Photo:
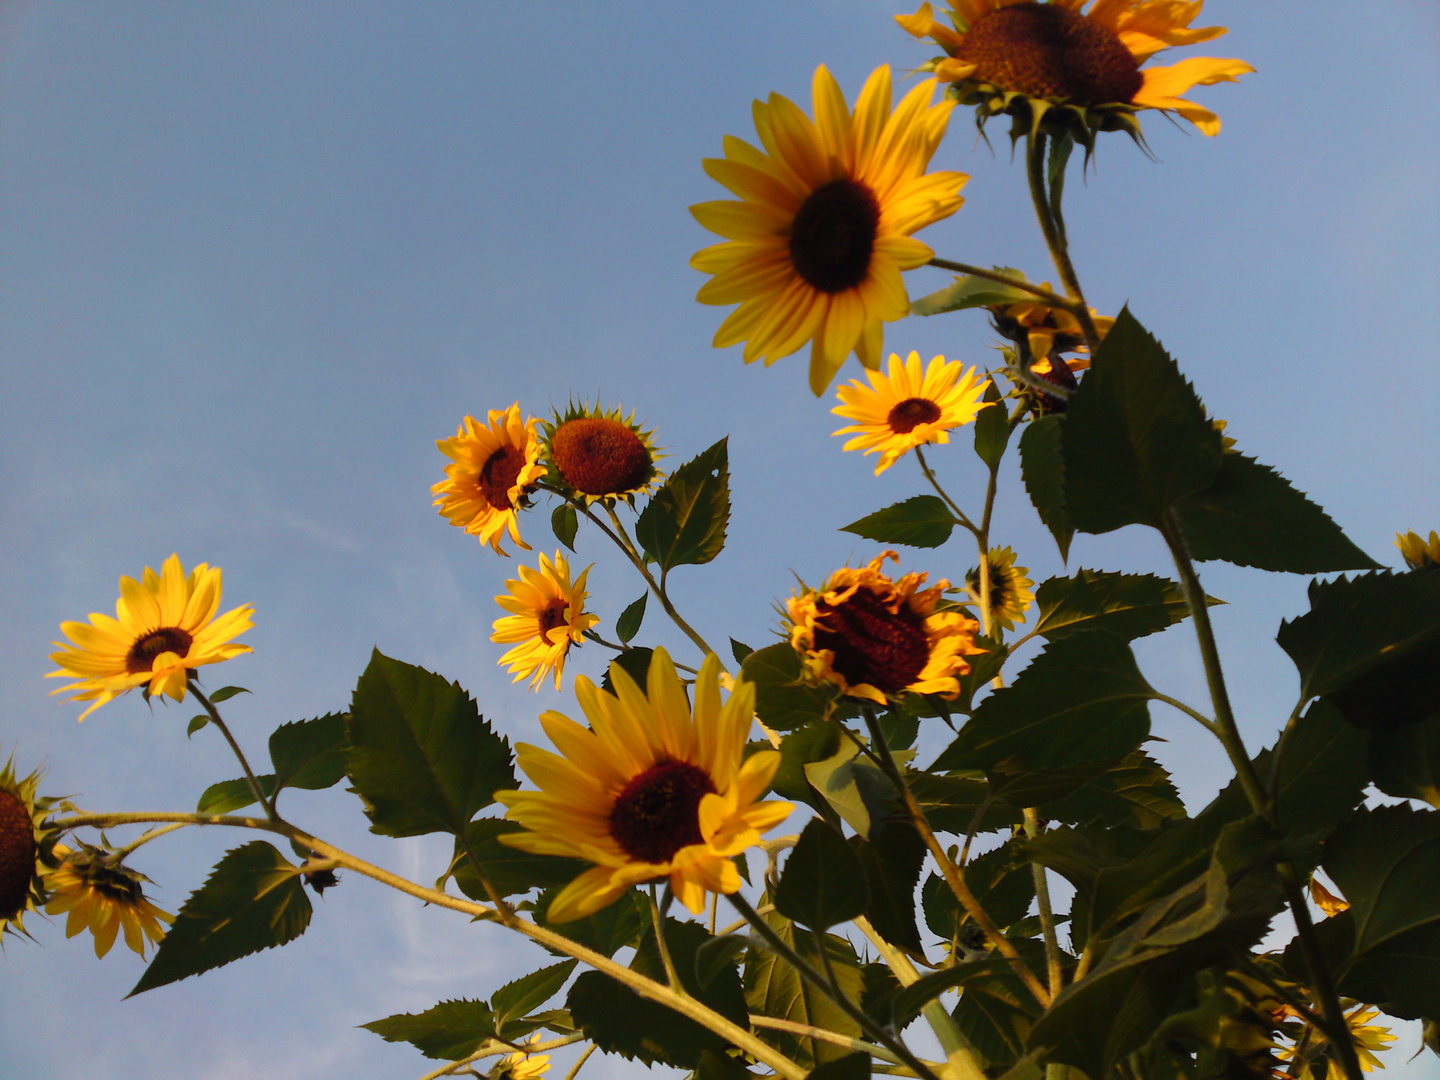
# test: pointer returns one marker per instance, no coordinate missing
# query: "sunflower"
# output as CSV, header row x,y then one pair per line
x,y
1052,65
547,615
876,638
814,250
522,1065
600,454
26,847
1369,1039
906,409
1010,595
1045,331
1419,554
649,790
492,469
164,627
105,897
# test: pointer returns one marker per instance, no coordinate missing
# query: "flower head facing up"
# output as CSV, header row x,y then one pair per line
x,y
1057,67
909,407
814,248
1010,595
1419,553
600,455
876,638
26,847
165,626
547,616
105,897
651,789
493,467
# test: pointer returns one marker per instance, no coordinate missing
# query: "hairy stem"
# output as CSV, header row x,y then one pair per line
x,y
825,1035
265,804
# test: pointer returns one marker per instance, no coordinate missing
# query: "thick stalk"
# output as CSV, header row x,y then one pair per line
x,y
1053,231
265,804
1047,913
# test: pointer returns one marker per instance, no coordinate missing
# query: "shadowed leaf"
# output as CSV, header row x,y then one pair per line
x,y
923,521
684,522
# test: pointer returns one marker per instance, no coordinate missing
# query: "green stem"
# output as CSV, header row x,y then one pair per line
x,y
591,635
494,1048
960,516
1052,227
657,919
1047,913
579,1062
825,1035
265,804
1052,298
119,853
1194,714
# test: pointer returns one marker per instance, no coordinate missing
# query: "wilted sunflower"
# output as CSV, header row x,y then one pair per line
x,y
1419,554
649,790
26,847
876,638
1010,595
105,897
547,615
600,454
1051,64
909,408
814,250
164,627
492,468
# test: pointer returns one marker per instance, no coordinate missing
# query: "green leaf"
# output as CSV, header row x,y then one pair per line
x,y
996,1013
614,927
421,756
813,742
923,521
252,900
850,1067
564,523
1042,467
309,754
824,882
928,987
228,796
992,434
635,662
225,693
969,291
892,859
719,954
684,522
854,787
510,870
774,988
1322,774
449,1031
527,993
718,1065
628,625
739,650
1406,762
783,700
1137,439
1136,792
196,723
983,669
951,803
1251,516
1004,887
1126,605
1372,644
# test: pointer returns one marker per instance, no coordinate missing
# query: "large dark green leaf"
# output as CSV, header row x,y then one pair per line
x,y
1136,792
684,522
783,700
996,1012
1004,888
1042,467
448,1031
824,881
1406,762
849,1067
1322,775
1251,516
252,900
951,803
510,870
1126,605
923,521
969,291
527,993
893,857
774,988
1137,439
309,754
421,756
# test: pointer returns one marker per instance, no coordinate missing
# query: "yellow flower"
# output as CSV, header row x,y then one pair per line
x,y
1419,553
492,469
164,627
1010,595
906,409
815,248
600,455
1369,1039
547,615
649,790
876,638
1327,901
26,847
1046,331
104,899
1079,70
522,1065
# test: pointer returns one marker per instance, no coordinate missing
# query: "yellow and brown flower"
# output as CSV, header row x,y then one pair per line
x,y
26,847
1010,595
600,455
102,895
876,638
1041,334
493,467
547,616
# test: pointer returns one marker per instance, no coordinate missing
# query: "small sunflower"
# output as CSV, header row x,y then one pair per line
x,y
908,408
600,454
814,250
522,1065
547,615
1010,595
1045,331
493,467
1370,1039
104,896
1051,65
649,790
165,626
1419,553
876,638
26,847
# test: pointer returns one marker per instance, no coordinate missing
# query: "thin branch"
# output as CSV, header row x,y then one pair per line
x,y
266,804
1054,299
826,1035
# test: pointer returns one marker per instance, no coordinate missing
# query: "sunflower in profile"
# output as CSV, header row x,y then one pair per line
x,y
651,789
814,248
1010,595
1419,554
599,454
547,615
1055,66
103,896
26,847
909,407
522,1065
493,467
165,626
876,638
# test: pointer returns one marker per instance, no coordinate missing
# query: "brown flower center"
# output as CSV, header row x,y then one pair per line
x,y
1048,51
888,650
147,647
658,813
600,456
553,615
833,235
497,476
911,413
1058,375
17,855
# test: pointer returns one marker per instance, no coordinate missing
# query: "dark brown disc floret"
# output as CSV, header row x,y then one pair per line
x,y
911,413
147,647
498,475
873,644
17,855
833,235
658,813
600,456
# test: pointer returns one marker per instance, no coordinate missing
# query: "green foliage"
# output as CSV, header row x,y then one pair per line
x,y
922,521
309,754
992,434
1405,762
509,870
853,786
565,523
252,900
421,756
684,522
225,693
1004,887
892,859
628,625
1322,773
824,882
519,997
774,988
614,927
996,1012
1135,792
782,699
1126,605
983,668
969,291
850,1067
635,662
813,742
227,796
448,1031
1042,468
952,803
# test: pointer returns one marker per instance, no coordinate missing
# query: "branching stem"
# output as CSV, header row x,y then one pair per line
x,y
266,804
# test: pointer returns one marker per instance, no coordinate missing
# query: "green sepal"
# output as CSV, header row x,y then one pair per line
x,y
684,523
922,521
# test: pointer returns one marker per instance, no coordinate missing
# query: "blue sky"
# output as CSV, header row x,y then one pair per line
x,y
256,258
